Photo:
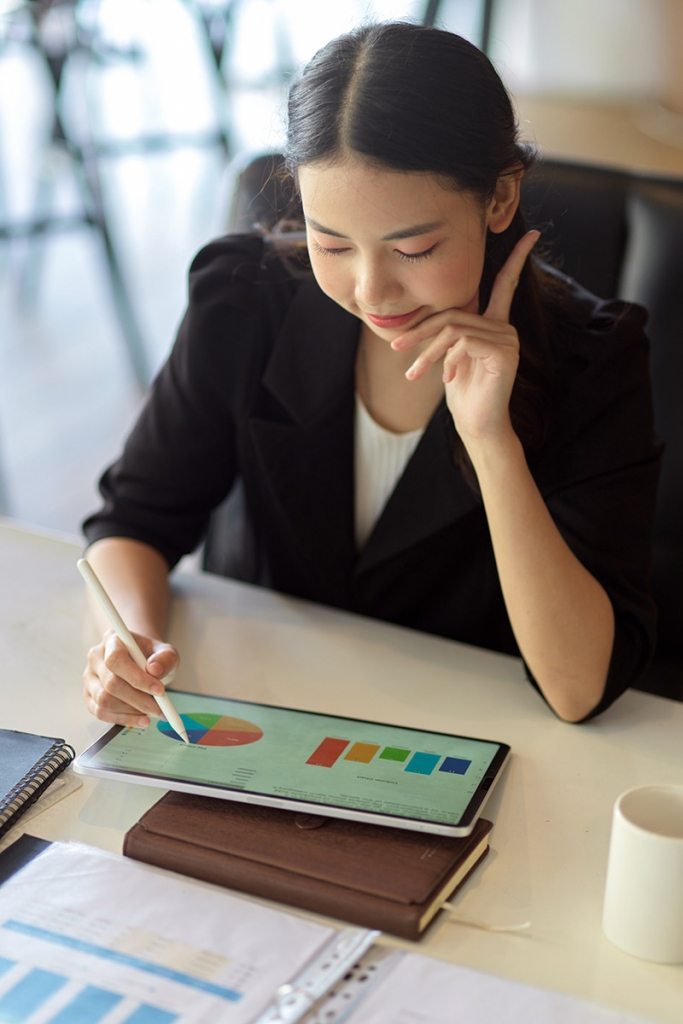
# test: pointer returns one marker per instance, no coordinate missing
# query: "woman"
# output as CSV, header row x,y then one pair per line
x,y
433,428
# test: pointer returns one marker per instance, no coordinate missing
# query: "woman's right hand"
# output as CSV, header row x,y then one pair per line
x,y
116,690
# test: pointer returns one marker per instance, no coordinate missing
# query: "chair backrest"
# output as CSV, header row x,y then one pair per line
x,y
620,234
260,197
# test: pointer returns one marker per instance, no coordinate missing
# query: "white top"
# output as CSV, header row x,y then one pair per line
x,y
380,457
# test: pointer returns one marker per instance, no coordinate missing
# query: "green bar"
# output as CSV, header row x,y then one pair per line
x,y
395,754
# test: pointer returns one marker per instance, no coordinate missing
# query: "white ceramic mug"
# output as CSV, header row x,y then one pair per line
x,y
643,911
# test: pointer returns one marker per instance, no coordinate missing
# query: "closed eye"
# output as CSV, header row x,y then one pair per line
x,y
410,257
321,250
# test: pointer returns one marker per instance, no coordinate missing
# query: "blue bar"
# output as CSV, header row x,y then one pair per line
x,y
455,765
32,991
5,965
88,1007
122,958
423,764
150,1015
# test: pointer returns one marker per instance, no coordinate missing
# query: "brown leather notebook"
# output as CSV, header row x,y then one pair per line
x,y
369,875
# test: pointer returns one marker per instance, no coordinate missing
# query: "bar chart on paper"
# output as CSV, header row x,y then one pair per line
x,y
160,951
138,970
40,995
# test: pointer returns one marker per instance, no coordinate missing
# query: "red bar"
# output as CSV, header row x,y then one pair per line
x,y
327,753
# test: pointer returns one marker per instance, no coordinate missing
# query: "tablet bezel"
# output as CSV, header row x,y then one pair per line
x,y
467,821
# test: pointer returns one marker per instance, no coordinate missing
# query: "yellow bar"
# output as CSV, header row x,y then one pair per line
x,y
363,752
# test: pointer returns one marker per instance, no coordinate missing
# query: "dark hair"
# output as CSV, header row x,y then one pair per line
x,y
413,98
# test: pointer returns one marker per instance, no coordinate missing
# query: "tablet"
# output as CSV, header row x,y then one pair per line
x,y
300,760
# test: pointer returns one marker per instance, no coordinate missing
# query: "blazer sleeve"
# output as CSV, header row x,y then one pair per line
x,y
181,459
600,473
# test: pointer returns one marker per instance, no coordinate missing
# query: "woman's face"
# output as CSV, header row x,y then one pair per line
x,y
392,247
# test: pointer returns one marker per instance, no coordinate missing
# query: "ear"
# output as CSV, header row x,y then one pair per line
x,y
505,201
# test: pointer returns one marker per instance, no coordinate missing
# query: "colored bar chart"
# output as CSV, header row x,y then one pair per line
x,y
418,762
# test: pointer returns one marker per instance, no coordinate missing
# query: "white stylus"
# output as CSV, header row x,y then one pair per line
x,y
126,637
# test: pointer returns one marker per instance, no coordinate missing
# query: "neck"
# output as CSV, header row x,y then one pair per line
x,y
394,402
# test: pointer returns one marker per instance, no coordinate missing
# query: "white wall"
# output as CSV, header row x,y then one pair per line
x,y
608,49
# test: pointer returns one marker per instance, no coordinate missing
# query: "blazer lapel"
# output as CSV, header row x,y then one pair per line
x,y
307,455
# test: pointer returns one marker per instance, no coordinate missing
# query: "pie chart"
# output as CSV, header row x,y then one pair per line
x,y
214,730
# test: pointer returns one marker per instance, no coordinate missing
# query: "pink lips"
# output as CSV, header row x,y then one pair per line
x,y
393,321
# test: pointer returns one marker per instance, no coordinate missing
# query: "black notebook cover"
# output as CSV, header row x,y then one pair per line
x,y
28,764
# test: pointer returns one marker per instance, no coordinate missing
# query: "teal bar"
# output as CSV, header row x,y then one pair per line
x,y
150,1015
88,1007
422,763
35,988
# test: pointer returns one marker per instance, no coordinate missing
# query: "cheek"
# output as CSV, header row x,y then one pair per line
x,y
330,276
456,282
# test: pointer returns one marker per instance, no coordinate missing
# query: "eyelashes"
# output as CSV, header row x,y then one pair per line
x,y
322,251
412,257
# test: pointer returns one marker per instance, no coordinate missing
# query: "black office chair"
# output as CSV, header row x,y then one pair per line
x,y
619,234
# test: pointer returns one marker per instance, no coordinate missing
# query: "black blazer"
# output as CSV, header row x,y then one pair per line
x,y
257,401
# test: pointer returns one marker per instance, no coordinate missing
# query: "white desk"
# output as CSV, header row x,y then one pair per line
x,y
552,811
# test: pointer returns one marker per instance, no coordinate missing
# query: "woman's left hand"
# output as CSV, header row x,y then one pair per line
x,y
480,354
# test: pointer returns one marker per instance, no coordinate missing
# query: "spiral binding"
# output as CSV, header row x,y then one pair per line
x,y
27,790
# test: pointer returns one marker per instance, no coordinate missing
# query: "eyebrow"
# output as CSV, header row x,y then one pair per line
x,y
411,232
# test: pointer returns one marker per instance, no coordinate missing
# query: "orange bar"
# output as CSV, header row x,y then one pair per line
x,y
363,752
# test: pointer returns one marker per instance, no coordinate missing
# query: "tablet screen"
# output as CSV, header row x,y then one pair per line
x,y
243,748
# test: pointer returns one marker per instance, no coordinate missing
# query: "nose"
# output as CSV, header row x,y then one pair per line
x,y
377,284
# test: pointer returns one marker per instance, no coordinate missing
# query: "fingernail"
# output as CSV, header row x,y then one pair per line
x,y
410,374
143,722
158,688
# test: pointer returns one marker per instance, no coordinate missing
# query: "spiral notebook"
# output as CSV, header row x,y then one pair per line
x,y
28,764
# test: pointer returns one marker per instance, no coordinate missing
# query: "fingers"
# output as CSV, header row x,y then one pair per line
x,y
481,352
433,325
507,278
452,335
116,690
108,709
162,659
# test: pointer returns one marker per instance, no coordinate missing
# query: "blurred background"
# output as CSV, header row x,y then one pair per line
x,y
123,124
